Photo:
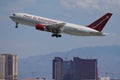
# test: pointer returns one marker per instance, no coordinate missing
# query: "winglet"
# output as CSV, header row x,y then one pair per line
x,y
100,23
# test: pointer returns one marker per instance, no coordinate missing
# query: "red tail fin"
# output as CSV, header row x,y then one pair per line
x,y
100,23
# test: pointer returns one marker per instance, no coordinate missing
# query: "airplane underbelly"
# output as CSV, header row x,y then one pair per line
x,y
72,31
77,32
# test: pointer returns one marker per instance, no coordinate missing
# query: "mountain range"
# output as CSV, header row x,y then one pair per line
x,y
41,65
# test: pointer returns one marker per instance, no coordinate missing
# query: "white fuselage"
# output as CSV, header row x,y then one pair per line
x,y
68,28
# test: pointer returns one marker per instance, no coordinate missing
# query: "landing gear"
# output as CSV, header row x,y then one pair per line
x,y
16,25
56,35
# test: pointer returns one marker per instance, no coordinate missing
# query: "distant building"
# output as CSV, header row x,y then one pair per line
x,y
8,67
58,68
29,79
34,79
105,78
78,69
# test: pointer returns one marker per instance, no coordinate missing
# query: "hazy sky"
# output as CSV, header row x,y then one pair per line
x,y
26,41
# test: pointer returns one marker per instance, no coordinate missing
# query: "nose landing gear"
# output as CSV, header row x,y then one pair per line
x,y
16,25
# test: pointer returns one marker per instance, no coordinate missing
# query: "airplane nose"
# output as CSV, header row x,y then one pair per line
x,y
11,17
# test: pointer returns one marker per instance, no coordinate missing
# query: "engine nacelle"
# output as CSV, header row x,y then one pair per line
x,y
40,27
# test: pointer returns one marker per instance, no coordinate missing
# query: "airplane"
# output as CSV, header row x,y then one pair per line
x,y
57,27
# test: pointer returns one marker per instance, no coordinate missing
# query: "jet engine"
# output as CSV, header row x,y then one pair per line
x,y
40,27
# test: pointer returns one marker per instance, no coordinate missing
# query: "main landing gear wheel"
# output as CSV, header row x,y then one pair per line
x,y
56,35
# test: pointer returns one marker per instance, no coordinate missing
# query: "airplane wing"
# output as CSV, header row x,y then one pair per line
x,y
55,28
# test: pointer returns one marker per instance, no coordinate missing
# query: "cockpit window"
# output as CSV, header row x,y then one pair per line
x,y
13,14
